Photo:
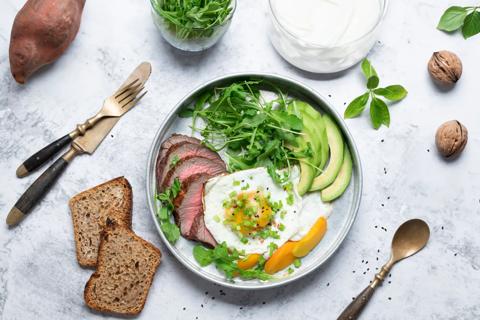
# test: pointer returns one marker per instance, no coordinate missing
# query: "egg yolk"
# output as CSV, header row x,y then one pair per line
x,y
248,212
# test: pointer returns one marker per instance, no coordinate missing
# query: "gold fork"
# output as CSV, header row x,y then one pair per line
x,y
114,106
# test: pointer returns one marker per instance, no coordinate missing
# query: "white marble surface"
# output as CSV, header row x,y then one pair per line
x,y
404,176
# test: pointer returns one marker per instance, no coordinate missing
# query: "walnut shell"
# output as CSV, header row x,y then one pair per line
x,y
451,138
445,67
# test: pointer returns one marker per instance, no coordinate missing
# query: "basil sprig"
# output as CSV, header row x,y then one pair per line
x,y
466,18
379,113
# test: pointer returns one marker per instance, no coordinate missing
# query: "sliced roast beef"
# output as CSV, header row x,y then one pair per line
x,y
185,158
201,233
189,210
190,167
181,152
174,141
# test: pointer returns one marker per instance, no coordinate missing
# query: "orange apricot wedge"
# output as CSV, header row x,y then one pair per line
x,y
281,258
311,239
249,262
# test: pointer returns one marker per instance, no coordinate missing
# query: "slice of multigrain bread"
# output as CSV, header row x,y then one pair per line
x,y
90,211
125,270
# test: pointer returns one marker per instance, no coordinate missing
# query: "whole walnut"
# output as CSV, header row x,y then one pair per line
x,y
451,139
445,67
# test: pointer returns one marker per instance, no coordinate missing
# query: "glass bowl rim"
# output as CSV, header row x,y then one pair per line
x,y
319,46
227,19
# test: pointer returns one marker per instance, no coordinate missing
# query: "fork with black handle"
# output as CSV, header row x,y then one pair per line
x,y
113,106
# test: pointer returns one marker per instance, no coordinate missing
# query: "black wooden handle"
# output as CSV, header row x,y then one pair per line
x,y
355,307
42,156
41,186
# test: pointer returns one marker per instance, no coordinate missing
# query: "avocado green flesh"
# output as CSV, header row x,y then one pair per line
x,y
338,187
307,174
313,119
335,141
309,133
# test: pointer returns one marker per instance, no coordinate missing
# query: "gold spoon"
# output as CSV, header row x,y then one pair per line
x,y
409,238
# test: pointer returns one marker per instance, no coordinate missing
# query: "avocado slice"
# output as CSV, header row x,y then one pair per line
x,y
307,171
338,187
314,120
335,141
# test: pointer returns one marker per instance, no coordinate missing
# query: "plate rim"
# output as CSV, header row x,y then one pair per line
x,y
358,172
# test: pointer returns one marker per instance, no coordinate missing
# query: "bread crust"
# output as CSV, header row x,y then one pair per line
x,y
102,257
122,214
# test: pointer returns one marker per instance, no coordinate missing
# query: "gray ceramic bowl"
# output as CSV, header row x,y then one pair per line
x,y
344,209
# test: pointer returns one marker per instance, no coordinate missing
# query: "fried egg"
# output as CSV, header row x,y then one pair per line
x,y
250,212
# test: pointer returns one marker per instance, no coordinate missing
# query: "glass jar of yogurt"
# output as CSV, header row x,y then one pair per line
x,y
325,36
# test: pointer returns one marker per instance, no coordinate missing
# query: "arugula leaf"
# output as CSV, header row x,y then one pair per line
x,y
392,93
253,132
185,113
356,107
193,19
379,113
471,25
452,19
368,69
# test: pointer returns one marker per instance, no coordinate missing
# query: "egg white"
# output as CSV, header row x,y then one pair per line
x,y
218,189
312,208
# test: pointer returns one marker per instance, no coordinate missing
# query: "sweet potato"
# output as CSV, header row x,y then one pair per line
x,y
41,32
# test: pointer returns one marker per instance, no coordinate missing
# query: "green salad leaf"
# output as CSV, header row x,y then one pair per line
x,y
165,212
225,260
379,113
252,131
193,19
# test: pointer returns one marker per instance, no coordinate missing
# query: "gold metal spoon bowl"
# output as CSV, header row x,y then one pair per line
x,y
409,238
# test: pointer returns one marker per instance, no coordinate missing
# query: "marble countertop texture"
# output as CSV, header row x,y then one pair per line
x,y
403,175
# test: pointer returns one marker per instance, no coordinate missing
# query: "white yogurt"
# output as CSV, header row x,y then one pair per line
x,y
321,35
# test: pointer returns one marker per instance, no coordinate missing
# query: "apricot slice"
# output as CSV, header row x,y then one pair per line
x,y
249,262
281,258
311,239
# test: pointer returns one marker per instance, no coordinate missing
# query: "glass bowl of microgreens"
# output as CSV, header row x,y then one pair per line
x,y
192,25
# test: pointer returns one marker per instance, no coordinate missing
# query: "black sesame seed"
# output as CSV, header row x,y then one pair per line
x,y
328,283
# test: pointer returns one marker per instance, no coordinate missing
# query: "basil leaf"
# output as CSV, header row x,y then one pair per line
x,y
202,255
452,19
471,25
372,82
356,107
379,113
392,93
368,69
